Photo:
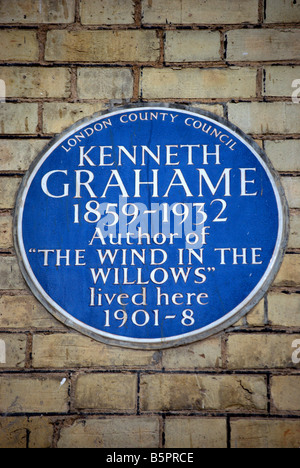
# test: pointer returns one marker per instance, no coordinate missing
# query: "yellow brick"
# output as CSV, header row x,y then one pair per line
x,y
33,394
198,83
259,142
18,45
200,12
265,117
192,46
291,186
36,11
74,350
241,323
289,273
265,433
279,79
26,312
10,275
256,318
294,239
36,82
284,155
120,432
58,116
282,11
106,392
17,155
204,354
285,393
195,433
105,83
245,45
259,351
17,432
216,109
8,191
173,392
102,46
6,238
107,11
13,432
19,118
15,350
284,309
40,432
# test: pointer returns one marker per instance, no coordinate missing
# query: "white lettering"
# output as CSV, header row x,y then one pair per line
x,y
119,184
86,184
225,175
244,182
44,185
182,183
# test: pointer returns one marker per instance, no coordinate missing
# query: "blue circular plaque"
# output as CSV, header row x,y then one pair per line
x,y
151,226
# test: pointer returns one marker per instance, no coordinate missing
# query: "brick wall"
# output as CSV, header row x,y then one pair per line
x,y
62,60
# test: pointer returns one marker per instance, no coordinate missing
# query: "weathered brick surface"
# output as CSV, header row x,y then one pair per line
x,y
263,45
13,432
105,83
282,11
102,46
279,80
289,273
17,155
294,239
10,275
201,12
192,83
285,393
284,310
61,61
19,118
18,45
200,355
74,350
59,116
24,312
40,431
265,117
6,238
265,433
216,109
23,432
292,189
284,155
107,12
119,432
35,11
33,394
256,318
192,46
26,432
106,392
195,433
36,82
15,350
8,191
186,392
260,351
